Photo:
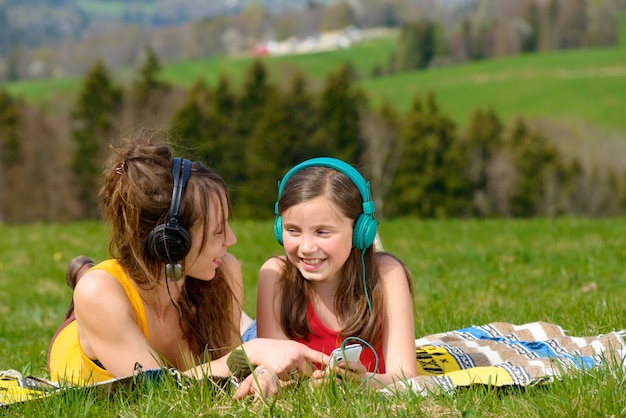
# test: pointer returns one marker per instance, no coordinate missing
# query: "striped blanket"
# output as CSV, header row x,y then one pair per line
x,y
503,354
15,388
496,354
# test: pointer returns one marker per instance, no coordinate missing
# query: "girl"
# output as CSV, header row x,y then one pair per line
x,y
171,294
331,286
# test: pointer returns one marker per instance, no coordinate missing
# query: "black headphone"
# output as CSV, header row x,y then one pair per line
x,y
170,242
365,227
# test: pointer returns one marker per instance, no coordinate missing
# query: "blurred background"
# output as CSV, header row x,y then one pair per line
x,y
452,108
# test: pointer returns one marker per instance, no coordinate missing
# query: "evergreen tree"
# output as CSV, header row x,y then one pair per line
x,y
576,188
467,40
249,112
280,139
10,148
484,141
430,180
613,189
10,152
303,120
190,123
98,101
417,46
221,131
147,85
621,196
539,172
268,152
284,130
13,58
530,42
205,125
341,104
255,91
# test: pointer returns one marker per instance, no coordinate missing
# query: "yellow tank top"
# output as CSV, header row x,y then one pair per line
x,y
67,360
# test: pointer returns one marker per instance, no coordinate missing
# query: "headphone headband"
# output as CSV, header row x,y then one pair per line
x,y
365,226
179,189
170,242
339,165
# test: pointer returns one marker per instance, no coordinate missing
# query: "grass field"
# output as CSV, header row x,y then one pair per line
x,y
566,271
563,85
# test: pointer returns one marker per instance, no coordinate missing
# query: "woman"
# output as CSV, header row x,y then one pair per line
x,y
171,295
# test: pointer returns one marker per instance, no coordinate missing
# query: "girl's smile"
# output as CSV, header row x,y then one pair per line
x,y
313,262
317,238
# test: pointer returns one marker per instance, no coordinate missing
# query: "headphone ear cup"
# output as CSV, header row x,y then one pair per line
x,y
168,244
364,232
278,229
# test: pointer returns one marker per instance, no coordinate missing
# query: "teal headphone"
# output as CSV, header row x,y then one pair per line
x,y
365,226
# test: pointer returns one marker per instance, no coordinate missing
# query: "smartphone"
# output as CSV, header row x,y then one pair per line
x,y
351,352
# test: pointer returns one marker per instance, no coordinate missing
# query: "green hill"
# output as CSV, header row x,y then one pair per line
x,y
579,85
584,85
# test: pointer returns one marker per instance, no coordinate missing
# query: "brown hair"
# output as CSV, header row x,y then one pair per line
x,y
135,197
351,302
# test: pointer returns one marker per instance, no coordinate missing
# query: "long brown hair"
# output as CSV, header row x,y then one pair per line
x,y
135,197
351,301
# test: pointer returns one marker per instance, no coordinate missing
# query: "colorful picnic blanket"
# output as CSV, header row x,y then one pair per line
x,y
496,354
503,354
15,388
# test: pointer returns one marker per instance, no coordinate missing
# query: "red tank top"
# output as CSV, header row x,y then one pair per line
x,y
324,339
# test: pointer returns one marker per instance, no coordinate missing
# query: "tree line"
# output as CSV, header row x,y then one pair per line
x,y
419,161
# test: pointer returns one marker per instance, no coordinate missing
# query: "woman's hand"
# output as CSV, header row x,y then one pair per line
x,y
261,383
284,357
276,361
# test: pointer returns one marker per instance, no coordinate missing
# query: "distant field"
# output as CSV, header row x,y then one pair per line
x,y
586,86
589,84
111,8
363,57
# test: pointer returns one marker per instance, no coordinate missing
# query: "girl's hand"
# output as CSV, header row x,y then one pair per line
x,y
353,371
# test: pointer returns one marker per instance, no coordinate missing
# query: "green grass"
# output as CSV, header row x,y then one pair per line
x,y
585,84
363,57
110,9
567,271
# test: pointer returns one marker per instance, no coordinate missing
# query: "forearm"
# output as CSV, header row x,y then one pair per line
x,y
378,380
218,367
256,351
240,362
395,371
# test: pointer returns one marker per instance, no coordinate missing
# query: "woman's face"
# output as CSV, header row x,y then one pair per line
x,y
317,238
201,263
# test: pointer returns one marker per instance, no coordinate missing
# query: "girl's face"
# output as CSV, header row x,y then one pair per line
x,y
317,238
202,263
